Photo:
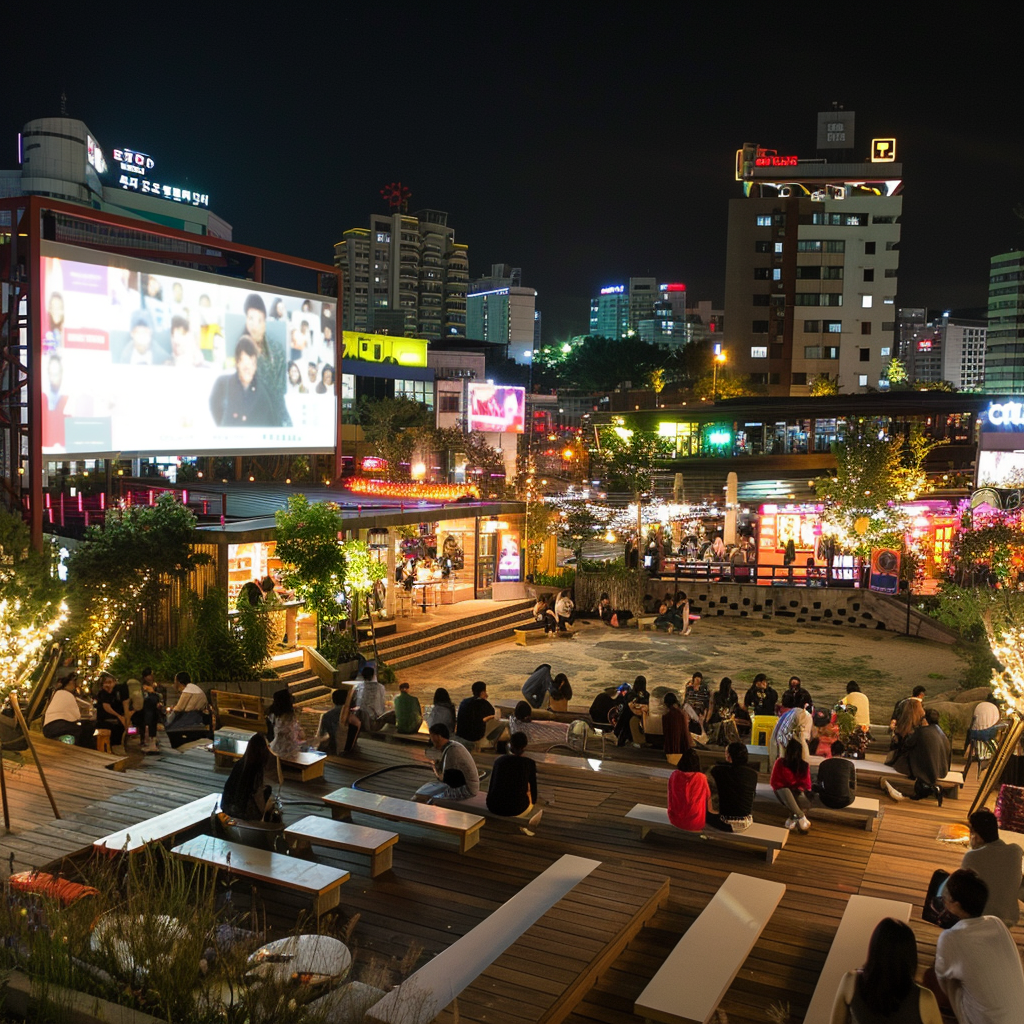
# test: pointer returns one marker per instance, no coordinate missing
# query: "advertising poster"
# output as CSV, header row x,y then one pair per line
x,y
885,571
508,559
496,408
143,358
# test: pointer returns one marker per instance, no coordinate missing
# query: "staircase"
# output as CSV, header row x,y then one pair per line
x,y
403,650
306,687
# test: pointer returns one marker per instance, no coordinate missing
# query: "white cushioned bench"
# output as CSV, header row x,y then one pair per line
x,y
697,973
865,809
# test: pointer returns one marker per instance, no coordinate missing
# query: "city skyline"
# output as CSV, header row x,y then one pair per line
x,y
584,153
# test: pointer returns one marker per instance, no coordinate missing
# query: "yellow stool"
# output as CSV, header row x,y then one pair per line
x,y
761,726
103,741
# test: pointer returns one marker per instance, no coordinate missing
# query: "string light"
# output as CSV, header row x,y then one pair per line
x,y
406,489
22,643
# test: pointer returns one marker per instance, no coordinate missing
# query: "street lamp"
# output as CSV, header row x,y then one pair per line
x,y
719,358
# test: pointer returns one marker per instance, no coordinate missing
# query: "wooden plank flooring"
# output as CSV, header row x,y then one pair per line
x,y
434,895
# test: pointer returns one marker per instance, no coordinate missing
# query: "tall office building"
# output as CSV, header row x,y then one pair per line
x,y
500,310
404,275
812,267
1004,349
619,308
942,348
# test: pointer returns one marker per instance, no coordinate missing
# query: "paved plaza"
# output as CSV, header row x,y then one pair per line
x,y
887,665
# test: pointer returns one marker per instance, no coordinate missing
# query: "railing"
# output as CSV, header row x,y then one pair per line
x,y
769,575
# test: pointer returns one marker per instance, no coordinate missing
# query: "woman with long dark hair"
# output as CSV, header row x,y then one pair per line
x,y
246,795
883,991
723,708
288,738
442,710
791,782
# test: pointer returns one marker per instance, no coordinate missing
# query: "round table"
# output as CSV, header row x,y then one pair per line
x,y
310,959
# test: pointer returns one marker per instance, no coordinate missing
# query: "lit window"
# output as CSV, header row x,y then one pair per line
x,y
862,380
764,222
865,301
886,350
778,247
758,352
776,274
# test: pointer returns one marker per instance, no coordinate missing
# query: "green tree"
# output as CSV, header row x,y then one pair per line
x,y
598,363
896,373
125,568
823,385
392,427
313,560
727,386
578,523
629,456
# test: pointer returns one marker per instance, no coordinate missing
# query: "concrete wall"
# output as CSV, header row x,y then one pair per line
x,y
809,606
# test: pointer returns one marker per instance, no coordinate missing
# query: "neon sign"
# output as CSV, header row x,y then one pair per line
x,y
883,151
776,161
615,289
134,167
1008,415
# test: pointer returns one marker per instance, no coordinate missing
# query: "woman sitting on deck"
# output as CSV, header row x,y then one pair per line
x,y
883,990
246,796
688,794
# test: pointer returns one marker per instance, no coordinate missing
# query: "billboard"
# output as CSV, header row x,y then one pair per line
x,y
835,129
496,408
143,358
383,348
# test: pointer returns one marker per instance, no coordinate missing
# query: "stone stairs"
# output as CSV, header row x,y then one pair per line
x,y
404,650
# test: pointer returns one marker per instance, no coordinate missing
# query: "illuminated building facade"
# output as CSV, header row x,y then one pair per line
x,y
942,348
501,311
812,266
404,275
1004,349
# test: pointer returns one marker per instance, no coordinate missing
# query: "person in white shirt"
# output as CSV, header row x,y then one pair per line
x,y
977,967
370,702
63,715
856,698
984,722
564,609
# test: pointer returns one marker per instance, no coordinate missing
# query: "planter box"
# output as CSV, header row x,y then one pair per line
x,y
79,1008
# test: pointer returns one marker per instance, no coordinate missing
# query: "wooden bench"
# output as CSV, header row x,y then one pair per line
x,y
466,827
238,711
229,746
392,735
873,771
766,838
849,949
163,826
421,997
314,830
525,637
718,941
645,623
757,757
864,809
319,881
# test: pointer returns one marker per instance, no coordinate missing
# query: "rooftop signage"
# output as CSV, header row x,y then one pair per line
x,y
134,173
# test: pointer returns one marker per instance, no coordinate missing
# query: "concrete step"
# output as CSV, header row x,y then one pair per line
x,y
402,639
452,645
456,631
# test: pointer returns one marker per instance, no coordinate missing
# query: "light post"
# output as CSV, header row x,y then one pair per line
x,y
719,358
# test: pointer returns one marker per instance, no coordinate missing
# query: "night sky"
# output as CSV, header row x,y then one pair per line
x,y
583,147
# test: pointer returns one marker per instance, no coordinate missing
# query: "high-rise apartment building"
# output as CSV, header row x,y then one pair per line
x,y
1004,349
813,257
643,294
404,275
500,310
609,312
942,348
619,309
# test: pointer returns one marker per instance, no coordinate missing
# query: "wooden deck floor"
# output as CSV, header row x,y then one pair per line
x,y
434,894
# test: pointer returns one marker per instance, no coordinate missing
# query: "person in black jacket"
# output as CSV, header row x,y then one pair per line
x,y
513,788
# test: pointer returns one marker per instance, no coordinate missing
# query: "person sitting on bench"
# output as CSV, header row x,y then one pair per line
x,y
791,782
735,785
63,716
110,709
675,727
147,718
926,757
998,864
370,701
513,788
836,783
246,795
562,693
330,725
688,794
477,719
408,713
187,714
455,769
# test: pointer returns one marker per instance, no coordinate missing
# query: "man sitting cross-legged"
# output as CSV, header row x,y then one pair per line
x,y
455,769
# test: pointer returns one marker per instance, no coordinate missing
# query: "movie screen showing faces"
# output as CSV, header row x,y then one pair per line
x,y
139,358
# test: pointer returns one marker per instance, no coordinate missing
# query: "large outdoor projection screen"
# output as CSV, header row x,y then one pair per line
x,y
142,358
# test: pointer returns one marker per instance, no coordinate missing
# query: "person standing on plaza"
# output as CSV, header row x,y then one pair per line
x,y
977,965
457,775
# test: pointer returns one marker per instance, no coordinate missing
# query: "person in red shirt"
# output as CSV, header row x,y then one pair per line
x,y
791,783
688,794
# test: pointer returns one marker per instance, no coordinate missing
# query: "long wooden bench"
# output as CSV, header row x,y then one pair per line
x,y
765,838
873,771
229,746
864,809
850,949
314,830
163,826
644,623
421,997
466,827
757,756
525,637
718,941
319,881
